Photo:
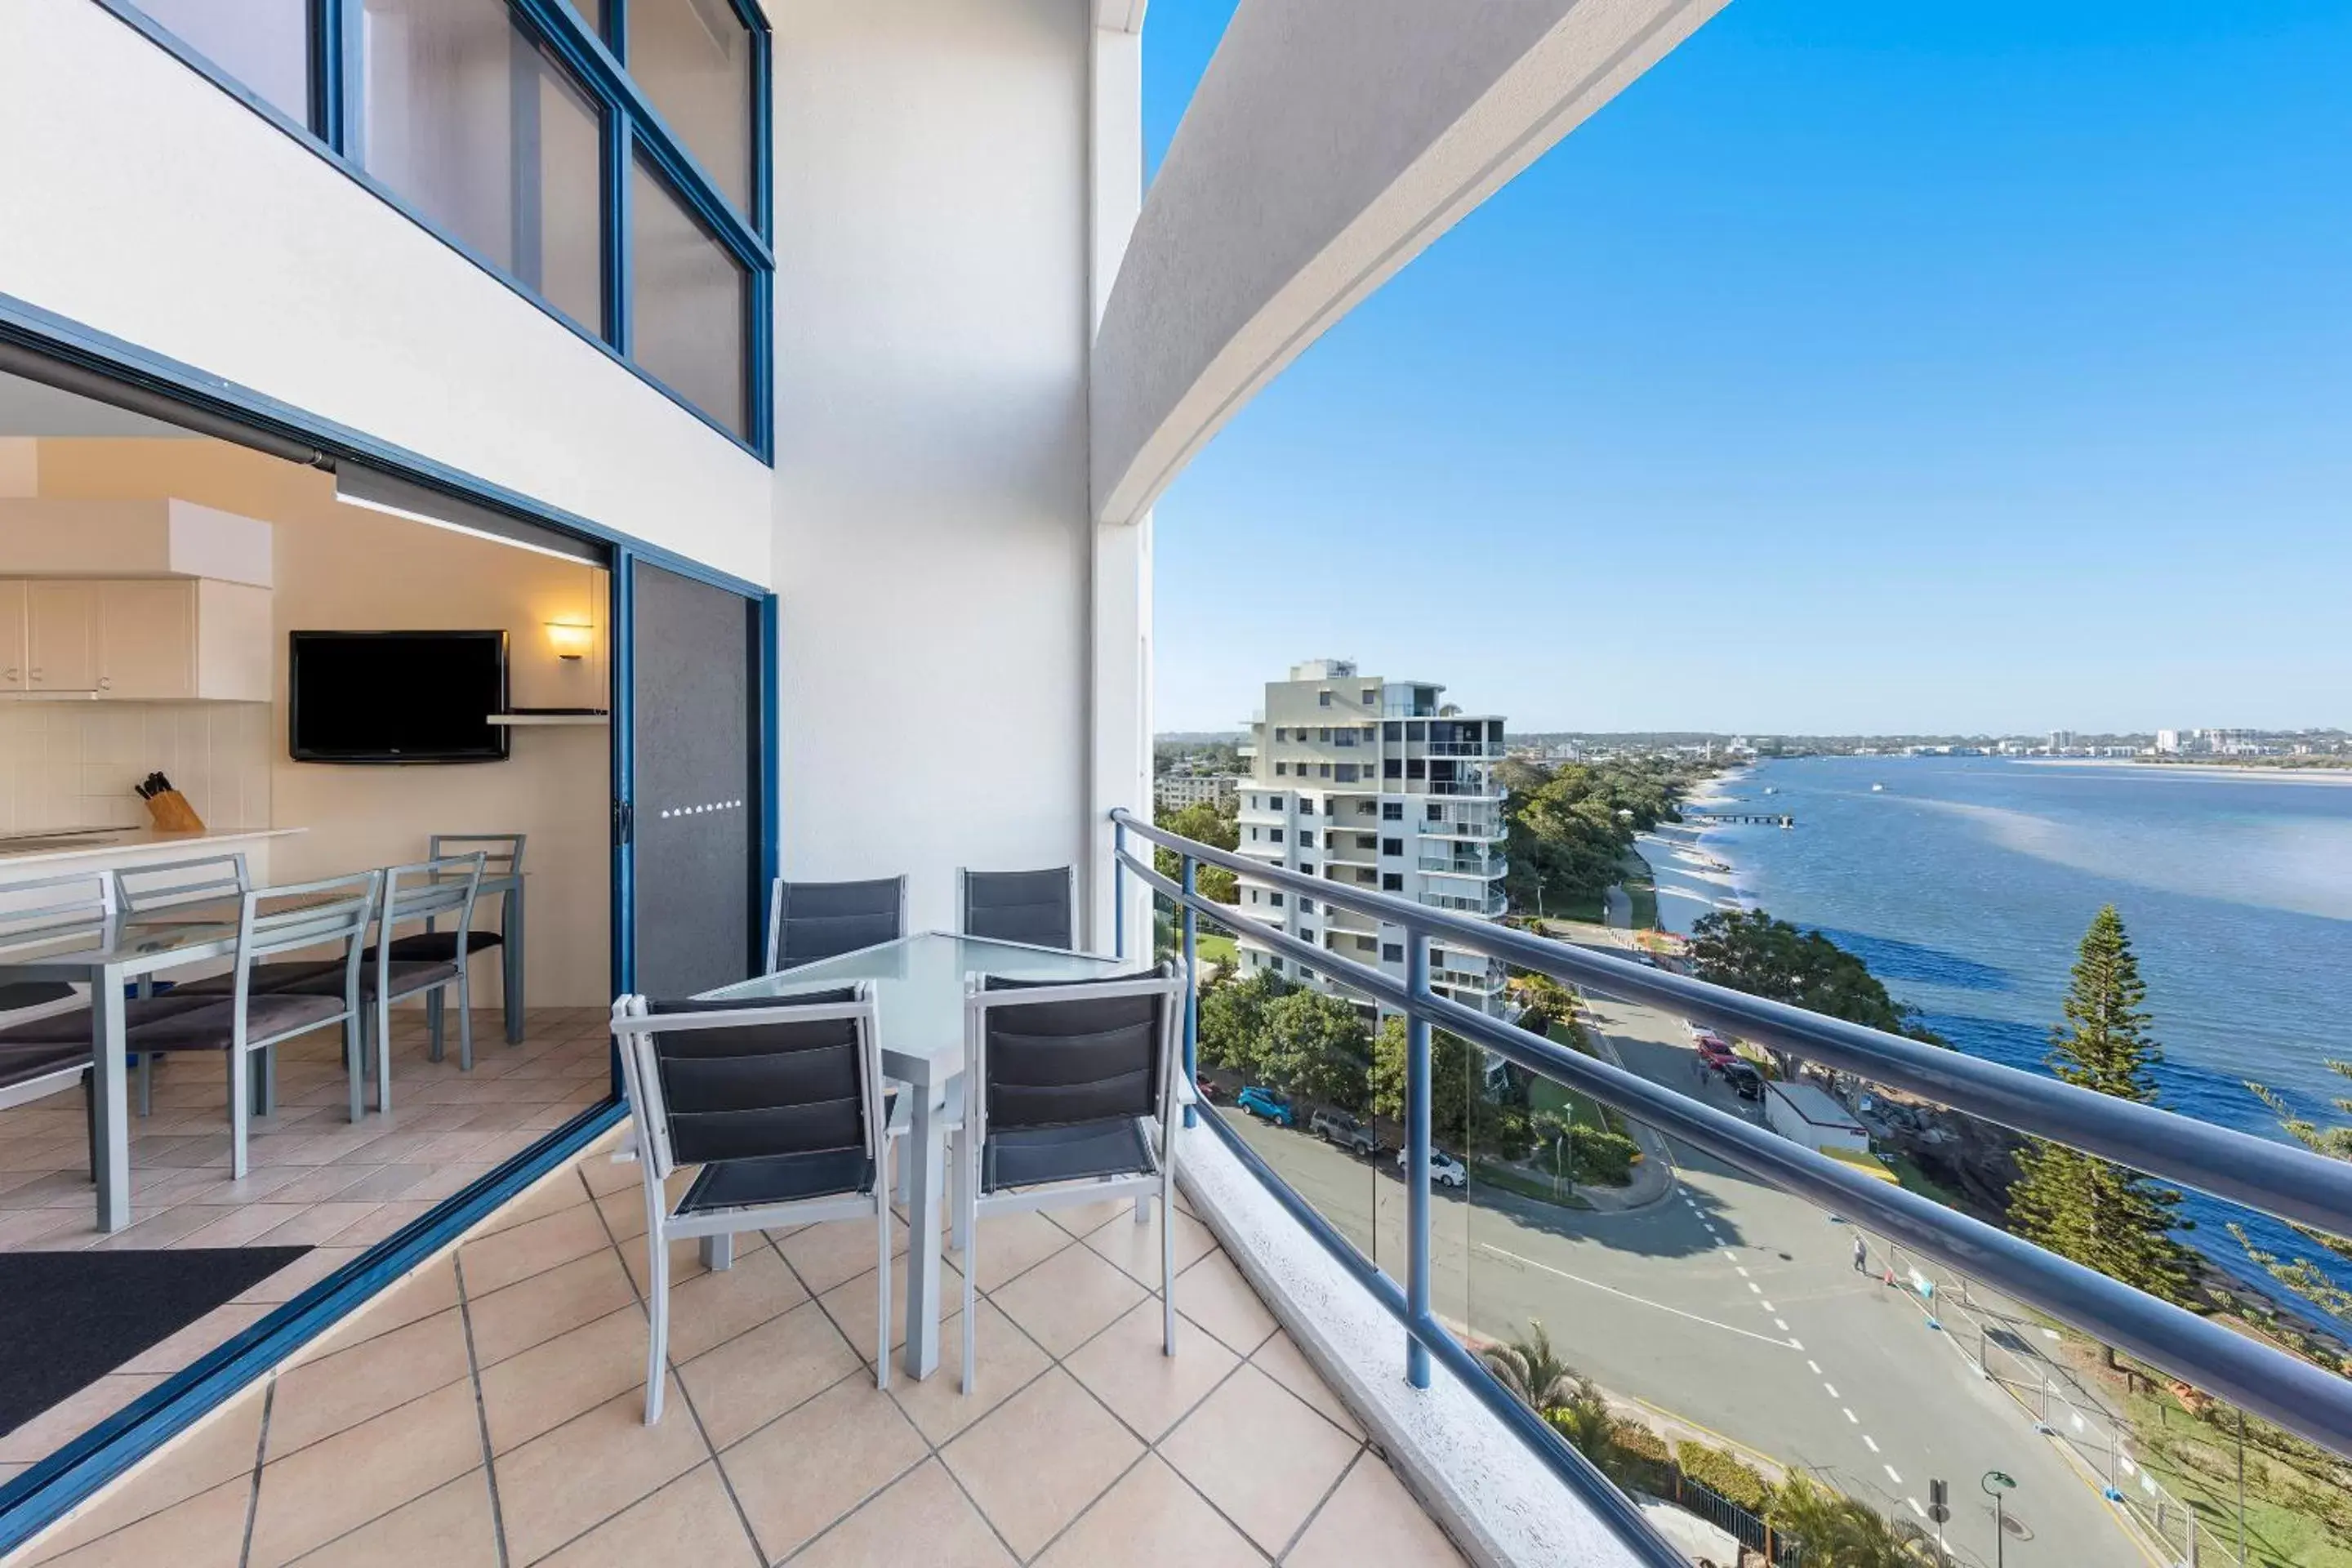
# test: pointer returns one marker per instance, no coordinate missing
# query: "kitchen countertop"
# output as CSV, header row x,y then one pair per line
x,y
122,841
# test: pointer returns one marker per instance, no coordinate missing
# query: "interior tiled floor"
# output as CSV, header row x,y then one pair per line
x,y
488,1411
314,1178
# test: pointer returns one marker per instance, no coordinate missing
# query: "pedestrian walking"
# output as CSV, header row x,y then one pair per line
x,y
1861,1253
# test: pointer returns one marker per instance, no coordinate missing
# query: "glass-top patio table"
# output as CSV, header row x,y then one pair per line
x,y
918,983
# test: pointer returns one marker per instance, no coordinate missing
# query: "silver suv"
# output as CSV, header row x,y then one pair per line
x,y
1339,1127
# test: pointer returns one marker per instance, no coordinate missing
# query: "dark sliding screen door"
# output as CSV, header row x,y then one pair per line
x,y
694,818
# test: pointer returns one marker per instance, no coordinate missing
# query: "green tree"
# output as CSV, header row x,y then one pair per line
x,y
1532,1370
1463,1113
1214,823
1233,1017
2304,1277
1749,950
2101,1214
1316,1048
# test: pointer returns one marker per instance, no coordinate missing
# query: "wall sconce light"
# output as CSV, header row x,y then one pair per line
x,y
572,639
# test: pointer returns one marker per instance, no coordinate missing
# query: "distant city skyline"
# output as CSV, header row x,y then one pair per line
x,y
1858,370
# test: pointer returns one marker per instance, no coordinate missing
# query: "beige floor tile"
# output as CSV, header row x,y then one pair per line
x,y
1214,1294
924,1517
851,1305
1136,1247
318,1493
1068,1298
431,1289
214,1327
207,1530
531,1248
798,1475
538,1389
1013,1243
690,1521
448,1527
1372,1521
335,1393
715,1306
1079,1219
824,1255
223,1449
685,1262
1281,1359
552,1195
1151,1520
566,1482
1255,1450
302,1274
753,1378
1039,1458
533,1311
1124,1367
74,1414
938,1405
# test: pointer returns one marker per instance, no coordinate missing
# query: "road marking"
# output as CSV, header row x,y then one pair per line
x,y
1798,1344
1738,1271
1755,1286
1915,1508
1891,1475
1781,1324
1732,1258
1639,1300
1766,1306
1831,1386
1817,1371
1871,1441
1850,1416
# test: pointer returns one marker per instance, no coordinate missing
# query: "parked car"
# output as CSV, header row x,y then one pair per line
x,y
1207,1086
1443,1168
1745,1079
1714,1054
1339,1127
1267,1105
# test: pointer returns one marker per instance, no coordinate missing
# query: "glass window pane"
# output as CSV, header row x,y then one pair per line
x,y
688,299
263,45
693,59
466,120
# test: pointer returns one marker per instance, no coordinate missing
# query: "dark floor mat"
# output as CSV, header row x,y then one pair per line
x,y
67,1319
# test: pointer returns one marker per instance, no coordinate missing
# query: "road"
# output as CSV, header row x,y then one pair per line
x,y
1735,1309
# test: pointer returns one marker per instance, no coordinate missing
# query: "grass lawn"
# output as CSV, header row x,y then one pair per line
x,y
1215,949
1643,888
1544,1094
1569,906
2277,1536
1912,1179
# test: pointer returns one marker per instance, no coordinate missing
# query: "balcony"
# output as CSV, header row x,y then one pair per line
x,y
1483,749
1480,789
1486,866
1490,829
1490,905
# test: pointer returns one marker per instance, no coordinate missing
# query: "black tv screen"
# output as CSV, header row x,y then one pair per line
x,y
397,696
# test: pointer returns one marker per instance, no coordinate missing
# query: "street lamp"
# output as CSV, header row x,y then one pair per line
x,y
1997,1483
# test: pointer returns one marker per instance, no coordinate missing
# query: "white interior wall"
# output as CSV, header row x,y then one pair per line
x,y
144,202
933,537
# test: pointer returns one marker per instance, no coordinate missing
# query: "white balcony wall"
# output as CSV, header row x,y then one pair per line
x,y
932,531
144,202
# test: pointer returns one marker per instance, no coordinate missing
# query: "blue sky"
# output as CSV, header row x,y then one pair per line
x,y
1941,365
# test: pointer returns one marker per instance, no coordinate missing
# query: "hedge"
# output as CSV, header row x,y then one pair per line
x,y
1741,1483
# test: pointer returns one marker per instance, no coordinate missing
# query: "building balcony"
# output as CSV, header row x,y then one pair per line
x,y
1482,748
1489,906
1476,789
1485,866
1457,828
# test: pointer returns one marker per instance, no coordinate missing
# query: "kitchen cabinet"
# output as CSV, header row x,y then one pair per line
x,y
61,637
12,638
135,639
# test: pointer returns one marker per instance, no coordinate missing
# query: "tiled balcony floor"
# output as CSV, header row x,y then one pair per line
x,y
488,1411
314,1179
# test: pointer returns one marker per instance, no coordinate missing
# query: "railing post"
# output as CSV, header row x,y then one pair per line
x,y
1416,1142
1191,987
1118,891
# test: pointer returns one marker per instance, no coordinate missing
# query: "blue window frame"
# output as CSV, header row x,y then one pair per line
x,y
513,197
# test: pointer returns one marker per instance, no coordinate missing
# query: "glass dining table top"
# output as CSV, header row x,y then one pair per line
x,y
919,982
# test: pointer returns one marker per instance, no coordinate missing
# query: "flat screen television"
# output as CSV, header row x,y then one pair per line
x,y
396,696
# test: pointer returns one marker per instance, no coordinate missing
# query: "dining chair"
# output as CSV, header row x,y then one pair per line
x,y
1033,907
165,884
1070,1098
781,1104
809,920
501,856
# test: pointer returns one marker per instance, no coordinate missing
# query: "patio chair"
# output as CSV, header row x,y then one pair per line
x,y
1033,907
809,920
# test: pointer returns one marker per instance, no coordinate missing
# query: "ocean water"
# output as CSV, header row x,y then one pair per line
x,y
1966,884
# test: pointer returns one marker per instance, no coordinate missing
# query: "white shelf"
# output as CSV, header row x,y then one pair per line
x,y
533,721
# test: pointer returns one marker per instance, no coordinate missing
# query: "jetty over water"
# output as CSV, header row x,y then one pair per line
x,y
1759,818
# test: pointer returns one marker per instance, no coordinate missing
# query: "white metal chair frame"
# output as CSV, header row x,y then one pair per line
x,y
973,1203
342,916
201,878
633,1027
427,898
56,913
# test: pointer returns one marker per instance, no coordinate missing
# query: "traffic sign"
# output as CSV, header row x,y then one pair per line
x,y
1998,1481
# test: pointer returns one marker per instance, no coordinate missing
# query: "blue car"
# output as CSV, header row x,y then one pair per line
x,y
1265,1103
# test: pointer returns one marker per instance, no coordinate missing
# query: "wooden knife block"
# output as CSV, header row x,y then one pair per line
x,y
172,814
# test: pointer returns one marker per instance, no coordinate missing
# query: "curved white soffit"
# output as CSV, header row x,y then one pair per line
x,y
1328,143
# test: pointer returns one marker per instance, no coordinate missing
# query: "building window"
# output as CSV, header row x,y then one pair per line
x,y
1274,964
470,123
693,59
1367,841
1392,730
1437,812
1323,770
264,44
1253,834
1344,737
1275,900
1306,838
1274,802
690,303
1392,767
1280,769
1416,732
1324,735
1306,906
1323,697
1393,811
1306,935
1305,806
1346,772
1274,836
1391,846
1391,882
1416,768
1366,944
1307,868
1364,877
1371,696
1392,952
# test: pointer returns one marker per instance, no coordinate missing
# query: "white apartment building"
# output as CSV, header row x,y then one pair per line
x,y
1174,792
1374,784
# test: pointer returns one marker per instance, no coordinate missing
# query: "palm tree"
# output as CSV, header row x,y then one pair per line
x,y
1836,1529
1533,1372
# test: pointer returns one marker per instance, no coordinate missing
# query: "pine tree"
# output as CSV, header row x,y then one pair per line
x,y
2099,1214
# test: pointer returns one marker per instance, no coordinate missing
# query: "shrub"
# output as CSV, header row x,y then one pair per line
x,y
1602,1156
1731,1477
1637,1459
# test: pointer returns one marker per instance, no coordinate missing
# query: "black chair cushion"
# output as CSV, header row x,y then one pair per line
x,y
1019,906
820,919
1028,1157
778,1179
208,1028
267,978
24,1063
33,994
409,977
141,1015
1062,1064
439,946
788,1088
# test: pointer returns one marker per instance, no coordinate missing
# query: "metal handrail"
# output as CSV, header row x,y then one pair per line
x,y
2290,1182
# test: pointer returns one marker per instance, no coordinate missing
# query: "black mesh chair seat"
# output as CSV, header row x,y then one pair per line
x,y
406,976
267,978
1033,906
24,1063
1031,1156
33,994
439,946
141,1015
778,1179
212,1029
810,921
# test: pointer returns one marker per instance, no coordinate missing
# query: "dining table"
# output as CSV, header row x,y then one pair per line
x,y
917,984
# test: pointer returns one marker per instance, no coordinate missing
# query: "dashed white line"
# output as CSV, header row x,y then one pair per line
x,y
1766,1306
1756,1287
1817,1371
1736,1268
1730,1257
1798,1344
1915,1508
1782,1325
1850,1416
1892,1475
1871,1442
1640,1301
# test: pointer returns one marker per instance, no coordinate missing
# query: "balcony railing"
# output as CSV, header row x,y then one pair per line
x,y
1488,866
1489,905
1464,749
2278,1179
1481,789
1462,827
